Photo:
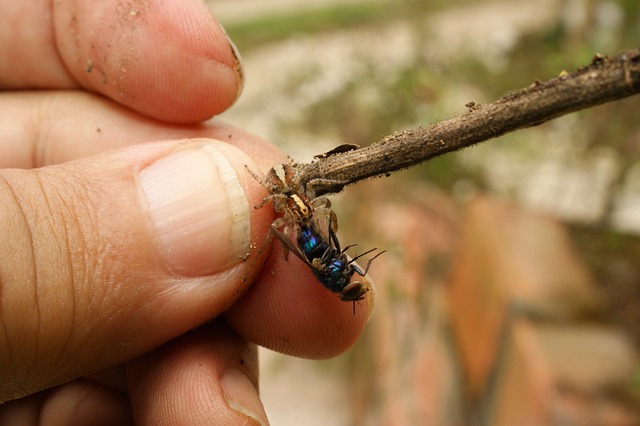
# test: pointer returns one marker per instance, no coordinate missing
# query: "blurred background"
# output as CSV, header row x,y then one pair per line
x,y
510,293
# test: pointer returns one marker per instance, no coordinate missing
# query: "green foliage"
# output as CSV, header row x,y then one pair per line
x,y
276,27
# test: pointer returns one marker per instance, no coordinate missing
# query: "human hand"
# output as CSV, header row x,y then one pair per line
x,y
124,221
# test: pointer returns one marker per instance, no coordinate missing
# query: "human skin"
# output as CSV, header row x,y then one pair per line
x,y
103,107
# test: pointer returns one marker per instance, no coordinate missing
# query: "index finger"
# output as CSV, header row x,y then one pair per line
x,y
171,62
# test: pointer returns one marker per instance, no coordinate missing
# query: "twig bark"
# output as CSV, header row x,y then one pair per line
x,y
603,80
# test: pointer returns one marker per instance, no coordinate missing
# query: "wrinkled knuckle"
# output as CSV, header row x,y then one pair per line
x,y
19,306
77,239
48,253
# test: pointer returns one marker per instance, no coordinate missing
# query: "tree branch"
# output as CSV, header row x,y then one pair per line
x,y
603,80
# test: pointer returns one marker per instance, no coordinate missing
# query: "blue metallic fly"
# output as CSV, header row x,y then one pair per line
x,y
328,261
301,219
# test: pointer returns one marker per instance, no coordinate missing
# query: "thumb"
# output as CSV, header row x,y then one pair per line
x,y
105,258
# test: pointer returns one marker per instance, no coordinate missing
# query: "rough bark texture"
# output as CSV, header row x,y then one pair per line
x,y
603,80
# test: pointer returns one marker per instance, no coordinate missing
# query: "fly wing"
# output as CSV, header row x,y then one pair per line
x,y
286,242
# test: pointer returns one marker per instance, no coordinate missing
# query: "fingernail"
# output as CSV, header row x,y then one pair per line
x,y
242,396
371,297
199,209
237,68
237,62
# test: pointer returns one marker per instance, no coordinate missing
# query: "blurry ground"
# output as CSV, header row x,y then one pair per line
x,y
312,84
